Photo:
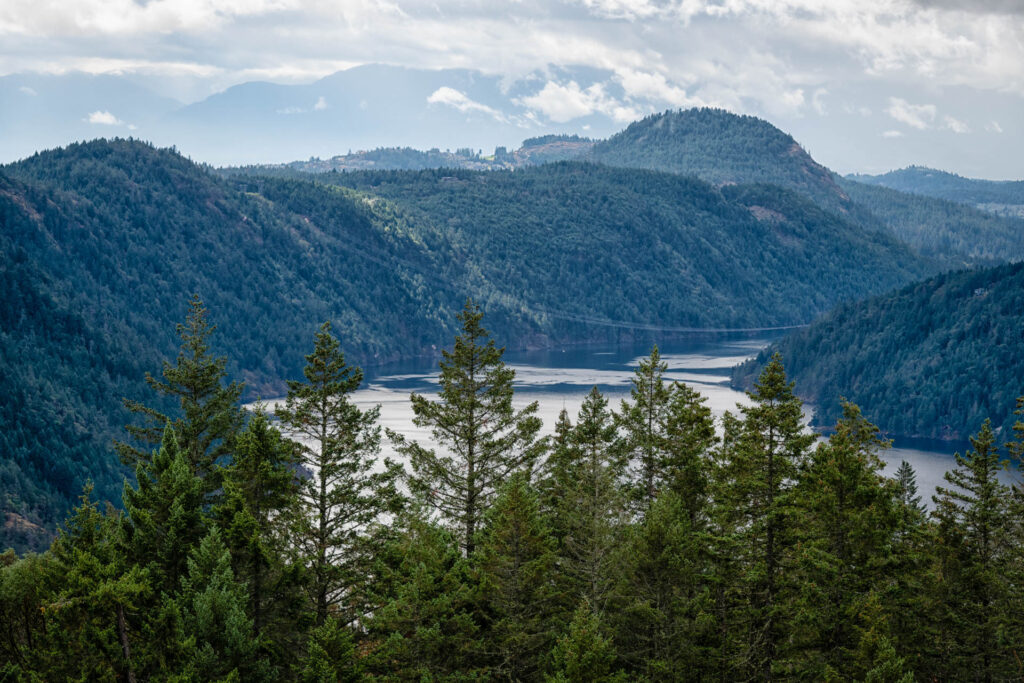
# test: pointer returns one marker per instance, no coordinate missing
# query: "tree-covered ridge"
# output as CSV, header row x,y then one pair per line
x,y
933,359
720,147
945,185
954,233
633,245
638,546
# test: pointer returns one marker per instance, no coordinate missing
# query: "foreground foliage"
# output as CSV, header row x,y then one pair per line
x,y
643,548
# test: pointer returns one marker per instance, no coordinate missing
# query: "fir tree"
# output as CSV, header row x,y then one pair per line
x,y
690,437
482,439
210,416
330,655
590,506
165,512
848,519
762,454
643,423
218,635
518,592
583,654
347,495
974,546
425,627
260,499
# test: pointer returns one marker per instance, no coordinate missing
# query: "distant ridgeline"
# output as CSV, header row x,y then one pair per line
x,y
1004,197
103,243
934,359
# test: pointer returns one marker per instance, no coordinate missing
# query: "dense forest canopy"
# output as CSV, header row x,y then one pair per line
x,y
944,185
933,359
635,544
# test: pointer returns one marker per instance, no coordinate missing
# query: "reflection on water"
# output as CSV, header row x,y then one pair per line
x,y
561,378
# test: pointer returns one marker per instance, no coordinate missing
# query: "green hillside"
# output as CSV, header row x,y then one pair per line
x,y
944,185
933,359
104,242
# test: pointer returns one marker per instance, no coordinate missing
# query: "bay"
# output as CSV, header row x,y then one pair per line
x,y
560,379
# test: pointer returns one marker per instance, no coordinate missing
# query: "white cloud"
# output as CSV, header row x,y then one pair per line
x,y
563,103
104,118
956,125
920,116
453,98
27,91
818,101
994,127
892,134
320,105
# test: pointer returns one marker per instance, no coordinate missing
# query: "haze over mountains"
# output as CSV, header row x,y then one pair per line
x,y
362,108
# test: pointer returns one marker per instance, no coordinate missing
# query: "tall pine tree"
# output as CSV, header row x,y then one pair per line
x,y
481,438
347,494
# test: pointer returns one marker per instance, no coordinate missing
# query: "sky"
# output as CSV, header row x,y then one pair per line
x,y
865,85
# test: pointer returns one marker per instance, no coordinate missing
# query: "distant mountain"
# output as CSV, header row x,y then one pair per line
x,y
933,359
101,244
1005,197
722,148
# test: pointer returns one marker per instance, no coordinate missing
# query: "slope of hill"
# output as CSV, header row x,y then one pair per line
x,y
957,234
933,359
999,196
104,242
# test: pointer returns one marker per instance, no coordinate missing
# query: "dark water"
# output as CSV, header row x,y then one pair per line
x,y
560,378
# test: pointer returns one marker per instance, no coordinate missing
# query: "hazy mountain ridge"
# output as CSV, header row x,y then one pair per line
x,y
1003,197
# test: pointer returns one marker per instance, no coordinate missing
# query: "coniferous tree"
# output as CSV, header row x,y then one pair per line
x,y
518,592
848,517
98,595
330,655
685,463
974,544
590,507
218,634
663,616
643,424
481,440
260,500
583,654
556,477
762,454
166,514
347,495
425,627
210,415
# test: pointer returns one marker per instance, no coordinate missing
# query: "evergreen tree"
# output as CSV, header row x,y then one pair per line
x,y
260,499
848,518
218,635
97,598
583,654
347,495
912,510
643,423
481,438
210,416
330,655
590,506
557,476
762,454
663,621
424,628
165,512
518,591
975,554
686,459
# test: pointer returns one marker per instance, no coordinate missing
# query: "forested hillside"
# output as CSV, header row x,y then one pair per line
x,y
113,238
933,359
940,228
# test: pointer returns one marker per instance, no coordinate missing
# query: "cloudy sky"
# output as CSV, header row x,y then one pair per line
x,y
866,85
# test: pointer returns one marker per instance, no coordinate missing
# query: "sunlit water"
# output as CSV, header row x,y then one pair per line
x,y
561,378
